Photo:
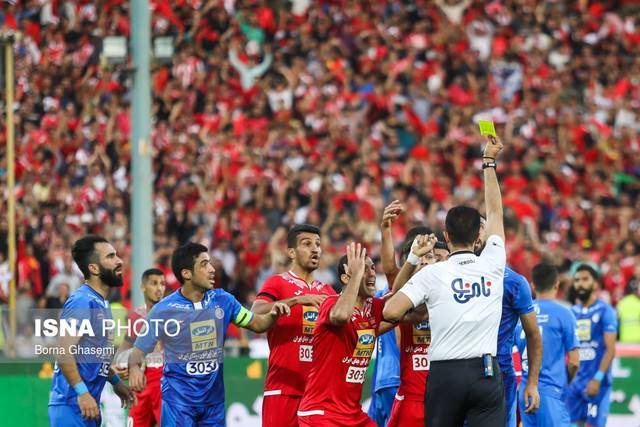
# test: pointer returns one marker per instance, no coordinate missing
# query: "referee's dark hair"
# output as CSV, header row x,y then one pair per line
x,y
151,272
462,225
544,276
292,235
84,252
184,258
592,271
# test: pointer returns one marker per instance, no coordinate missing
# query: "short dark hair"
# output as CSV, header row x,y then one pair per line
x,y
463,225
589,269
184,258
292,235
341,263
544,276
151,272
84,252
405,248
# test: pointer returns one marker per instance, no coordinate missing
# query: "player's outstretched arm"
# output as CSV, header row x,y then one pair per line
x,y
265,307
137,380
387,252
125,346
492,196
262,322
534,350
343,308
67,364
422,245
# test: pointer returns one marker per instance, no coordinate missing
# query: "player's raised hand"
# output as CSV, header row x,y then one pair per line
x,y
137,380
126,395
423,244
314,300
493,147
356,256
88,406
390,213
280,309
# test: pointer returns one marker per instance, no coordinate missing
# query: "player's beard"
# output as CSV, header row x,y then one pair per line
x,y
584,294
110,278
479,247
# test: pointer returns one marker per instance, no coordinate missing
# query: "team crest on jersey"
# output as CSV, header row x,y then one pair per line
x,y
422,333
203,335
464,291
583,329
309,319
219,313
365,343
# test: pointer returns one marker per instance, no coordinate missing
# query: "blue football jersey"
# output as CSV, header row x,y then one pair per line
x,y
93,351
387,363
558,329
192,335
592,323
516,301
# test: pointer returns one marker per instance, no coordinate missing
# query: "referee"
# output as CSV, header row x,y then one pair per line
x,y
464,299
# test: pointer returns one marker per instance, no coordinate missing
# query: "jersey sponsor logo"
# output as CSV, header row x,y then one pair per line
x,y
583,329
365,343
356,375
464,290
309,319
203,335
422,333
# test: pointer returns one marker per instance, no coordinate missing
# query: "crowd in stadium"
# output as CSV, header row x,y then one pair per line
x,y
276,112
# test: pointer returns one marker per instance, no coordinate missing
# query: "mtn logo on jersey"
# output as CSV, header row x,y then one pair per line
x,y
365,344
203,335
309,319
464,291
422,333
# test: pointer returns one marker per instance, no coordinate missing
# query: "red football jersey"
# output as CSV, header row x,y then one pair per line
x,y
341,358
414,365
290,339
154,361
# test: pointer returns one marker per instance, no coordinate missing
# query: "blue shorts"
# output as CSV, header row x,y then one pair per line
x,y
510,397
176,415
69,416
381,404
594,410
551,413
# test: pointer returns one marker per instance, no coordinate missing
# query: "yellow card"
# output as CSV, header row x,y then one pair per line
x,y
487,128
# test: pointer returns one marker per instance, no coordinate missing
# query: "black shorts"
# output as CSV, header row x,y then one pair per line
x,y
458,390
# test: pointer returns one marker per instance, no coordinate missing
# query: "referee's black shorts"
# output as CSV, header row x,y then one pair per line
x,y
458,390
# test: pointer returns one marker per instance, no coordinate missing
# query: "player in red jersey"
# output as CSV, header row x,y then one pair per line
x,y
408,407
290,340
342,344
146,413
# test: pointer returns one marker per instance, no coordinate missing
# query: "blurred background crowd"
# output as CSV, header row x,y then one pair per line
x,y
280,112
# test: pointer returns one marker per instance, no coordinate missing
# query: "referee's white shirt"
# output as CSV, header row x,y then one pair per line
x,y
464,298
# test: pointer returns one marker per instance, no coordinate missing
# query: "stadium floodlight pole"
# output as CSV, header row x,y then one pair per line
x,y
141,152
6,40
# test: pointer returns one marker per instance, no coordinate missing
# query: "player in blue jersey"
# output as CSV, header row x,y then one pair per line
x,y
558,328
517,304
192,324
83,364
597,326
